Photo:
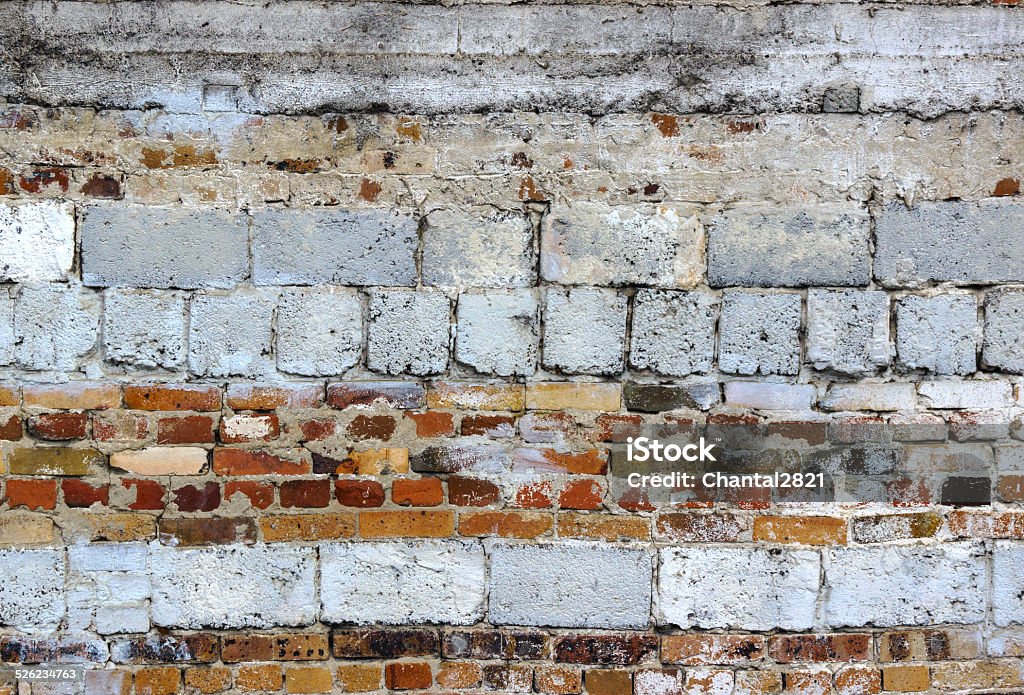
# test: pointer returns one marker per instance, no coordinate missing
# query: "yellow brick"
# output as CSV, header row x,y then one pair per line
x,y
978,675
574,396
905,679
259,678
25,529
158,680
308,527
311,679
359,678
214,679
449,394
120,527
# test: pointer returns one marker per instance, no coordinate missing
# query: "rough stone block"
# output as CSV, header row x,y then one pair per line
x,y
336,246
1008,583
137,246
759,333
752,394
584,330
598,244
38,311
37,242
966,394
560,586
32,593
915,585
230,335
497,332
759,246
848,331
741,588
402,583
144,329
478,247
959,242
1003,348
233,586
938,334
319,331
409,332
883,397
673,332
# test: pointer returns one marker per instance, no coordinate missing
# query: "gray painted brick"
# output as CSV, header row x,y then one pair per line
x,y
38,310
1008,583
344,247
761,246
673,332
319,331
1003,347
848,331
584,330
478,247
230,335
964,243
554,585
759,333
408,332
598,244
144,329
938,334
497,332
139,246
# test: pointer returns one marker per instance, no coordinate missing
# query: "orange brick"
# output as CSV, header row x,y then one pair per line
x,y
704,649
534,496
417,492
808,682
412,524
11,429
359,678
33,494
758,682
581,494
433,424
459,674
75,396
609,682
605,527
260,678
708,681
466,396
121,527
158,680
1008,525
307,527
214,679
574,396
858,680
405,675
244,462
808,530
267,397
905,679
172,397
10,395
308,679
505,524
261,495
557,680
387,461
590,462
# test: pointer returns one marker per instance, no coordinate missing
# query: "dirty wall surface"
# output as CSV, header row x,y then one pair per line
x,y
325,329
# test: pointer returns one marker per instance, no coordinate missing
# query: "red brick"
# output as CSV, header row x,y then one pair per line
x,y
11,430
78,493
591,462
1010,488
317,430
190,429
489,425
206,531
534,496
433,424
395,394
617,428
748,498
377,643
149,494
172,397
620,650
359,493
581,494
33,494
245,462
505,524
705,649
119,426
700,528
364,427
472,492
261,495
191,498
305,493
636,499
249,427
406,675
908,492
417,492
271,397
59,427
786,649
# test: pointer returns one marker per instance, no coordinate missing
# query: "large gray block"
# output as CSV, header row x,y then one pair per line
x,y
569,585
230,335
598,244
939,333
319,331
759,246
54,325
497,332
141,246
738,588
759,333
332,245
673,332
1003,347
915,585
32,592
409,332
848,331
233,586
144,329
963,243
402,583
584,330
478,247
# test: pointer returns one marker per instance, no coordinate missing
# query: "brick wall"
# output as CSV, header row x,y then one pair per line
x,y
324,329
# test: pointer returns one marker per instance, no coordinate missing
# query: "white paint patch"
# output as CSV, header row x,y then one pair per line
x,y
37,242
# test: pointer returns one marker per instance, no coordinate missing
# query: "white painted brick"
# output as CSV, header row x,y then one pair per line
x,y
740,588
37,242
1008,583
913,585
402,583
569,585
883,397
233,586
966,394
117,618
32,591
752,394
107,557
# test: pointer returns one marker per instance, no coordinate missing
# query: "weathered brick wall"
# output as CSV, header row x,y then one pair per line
x,y
324,328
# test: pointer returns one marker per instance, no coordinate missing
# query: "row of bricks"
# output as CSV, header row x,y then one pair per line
x,y
669,528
